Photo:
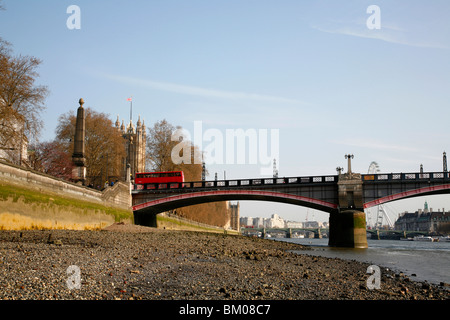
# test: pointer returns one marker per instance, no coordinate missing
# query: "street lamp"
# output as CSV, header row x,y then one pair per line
x,y
349,157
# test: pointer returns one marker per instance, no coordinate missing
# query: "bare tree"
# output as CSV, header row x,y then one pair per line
x,y
21,103
159,146
21,100
104,145
50,158
159,150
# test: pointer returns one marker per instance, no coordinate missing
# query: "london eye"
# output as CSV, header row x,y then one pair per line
x,y
381,211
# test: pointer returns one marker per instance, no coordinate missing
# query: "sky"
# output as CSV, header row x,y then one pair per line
x,y
326,78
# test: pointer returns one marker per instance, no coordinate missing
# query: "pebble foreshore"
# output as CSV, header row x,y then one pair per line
x,y
131,262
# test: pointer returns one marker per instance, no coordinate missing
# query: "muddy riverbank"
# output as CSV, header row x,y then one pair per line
x,y
131,262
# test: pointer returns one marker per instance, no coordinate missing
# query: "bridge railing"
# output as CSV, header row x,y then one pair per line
x,y
416,176
419,176
238,183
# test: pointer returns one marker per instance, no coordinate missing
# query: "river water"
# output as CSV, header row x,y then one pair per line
x,y
421,261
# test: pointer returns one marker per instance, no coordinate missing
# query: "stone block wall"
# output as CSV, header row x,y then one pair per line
x,y
117,196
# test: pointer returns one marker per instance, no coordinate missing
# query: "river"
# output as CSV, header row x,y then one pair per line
x,y
421,261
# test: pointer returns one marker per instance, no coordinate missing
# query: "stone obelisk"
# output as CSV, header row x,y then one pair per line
x,y
78,159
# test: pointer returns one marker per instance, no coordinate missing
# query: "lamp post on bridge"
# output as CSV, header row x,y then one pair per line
x,y
444,160
349,157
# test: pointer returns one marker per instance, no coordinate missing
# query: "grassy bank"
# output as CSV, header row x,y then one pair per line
x,y
13,221
26,208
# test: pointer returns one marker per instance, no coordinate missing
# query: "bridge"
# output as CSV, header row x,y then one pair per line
x,y
343,196
320,232
395,234
288,232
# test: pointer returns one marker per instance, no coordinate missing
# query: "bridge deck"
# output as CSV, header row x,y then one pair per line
x,y
319,192
381,188
238,183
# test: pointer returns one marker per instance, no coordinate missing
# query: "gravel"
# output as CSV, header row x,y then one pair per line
x,y
134,262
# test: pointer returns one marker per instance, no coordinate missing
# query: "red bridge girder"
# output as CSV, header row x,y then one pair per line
x,y
222,195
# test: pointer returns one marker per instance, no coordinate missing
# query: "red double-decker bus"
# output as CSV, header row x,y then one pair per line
x,y
159,180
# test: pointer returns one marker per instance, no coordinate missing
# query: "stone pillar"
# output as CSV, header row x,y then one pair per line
x,y
289,233
128,178
318,235
348,229
348,222
78,159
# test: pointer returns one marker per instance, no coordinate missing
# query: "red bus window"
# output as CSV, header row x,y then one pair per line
x,y
162,186
159,178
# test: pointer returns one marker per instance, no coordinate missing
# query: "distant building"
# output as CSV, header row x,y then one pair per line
x,y
294,224
258,222
135,144
234,215
274,222
246,222
425,220
311,224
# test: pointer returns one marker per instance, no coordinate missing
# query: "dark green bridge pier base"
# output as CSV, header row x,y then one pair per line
x,y
348,229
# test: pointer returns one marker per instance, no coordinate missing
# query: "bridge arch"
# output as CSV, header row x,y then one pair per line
x,y
426,191
145,211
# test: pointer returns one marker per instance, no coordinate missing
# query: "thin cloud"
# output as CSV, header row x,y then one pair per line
x,y
383,35
198,91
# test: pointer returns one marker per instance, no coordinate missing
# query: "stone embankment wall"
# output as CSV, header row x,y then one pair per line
x,y
31,199
169,221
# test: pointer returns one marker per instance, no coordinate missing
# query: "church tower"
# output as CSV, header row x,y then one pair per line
x,y
135,139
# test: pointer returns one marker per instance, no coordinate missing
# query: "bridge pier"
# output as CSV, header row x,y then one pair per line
x,y
348,229
348,222
289,233
145,219
318,235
